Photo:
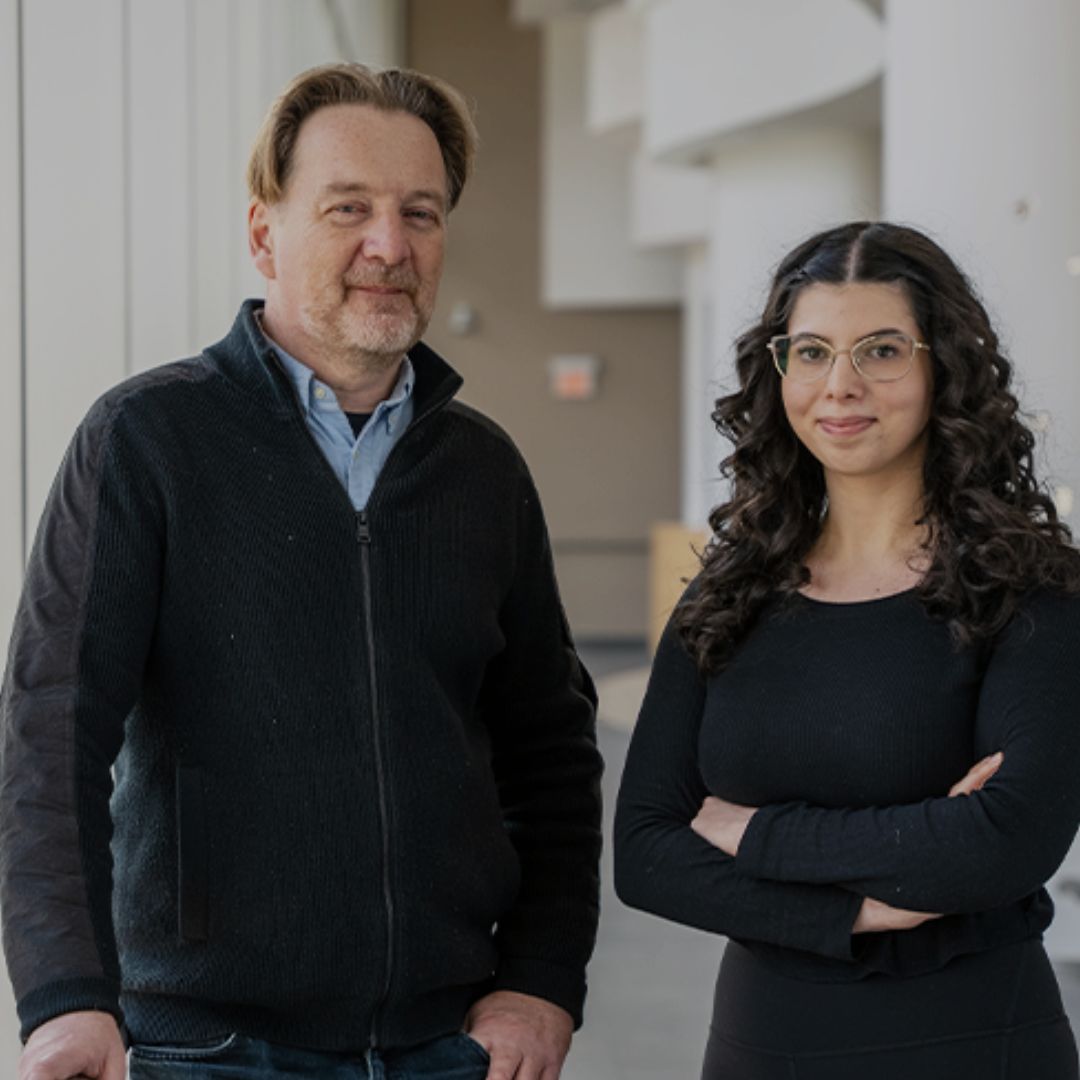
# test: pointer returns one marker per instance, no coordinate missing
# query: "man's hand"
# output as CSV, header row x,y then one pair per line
x,y
527,1037
78,1044
722,823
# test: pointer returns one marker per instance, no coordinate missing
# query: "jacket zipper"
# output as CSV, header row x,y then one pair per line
x,y
363,537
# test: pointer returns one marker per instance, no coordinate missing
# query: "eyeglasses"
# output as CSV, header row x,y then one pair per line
x,y
880,357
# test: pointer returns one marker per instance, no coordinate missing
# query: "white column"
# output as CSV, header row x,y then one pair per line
x,y
215,186
11,509
75,221
159,207
769,192
982,146
701,451
11,345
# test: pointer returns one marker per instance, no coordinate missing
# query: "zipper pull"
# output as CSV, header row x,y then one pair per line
x,y
363,533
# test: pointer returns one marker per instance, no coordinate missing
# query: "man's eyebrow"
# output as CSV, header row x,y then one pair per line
x,y
426,194
344,187
354,187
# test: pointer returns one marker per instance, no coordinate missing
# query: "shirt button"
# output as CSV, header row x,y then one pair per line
x,y
320,392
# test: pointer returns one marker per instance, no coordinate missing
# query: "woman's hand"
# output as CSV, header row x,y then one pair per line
x,y
875,916
977,775
722,823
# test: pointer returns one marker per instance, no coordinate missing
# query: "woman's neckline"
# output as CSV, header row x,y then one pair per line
x,y
866,602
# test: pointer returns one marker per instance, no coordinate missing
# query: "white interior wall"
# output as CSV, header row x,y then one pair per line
x,y
588,258
146,251
701,451
11,364
714,66
761,207
159,204
11,349
73,85
983,148
134,195
615,88
669,202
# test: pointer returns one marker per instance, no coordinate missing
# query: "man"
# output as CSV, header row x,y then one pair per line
x,y
356,809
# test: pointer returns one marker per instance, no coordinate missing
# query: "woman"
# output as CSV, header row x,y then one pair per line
x,y
859,750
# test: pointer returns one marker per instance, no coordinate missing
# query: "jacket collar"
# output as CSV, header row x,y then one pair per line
x,y
248,359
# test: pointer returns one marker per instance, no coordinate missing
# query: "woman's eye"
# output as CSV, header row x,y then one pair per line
x,y
810,354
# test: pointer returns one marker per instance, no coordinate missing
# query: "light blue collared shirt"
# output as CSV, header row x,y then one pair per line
x,y
356,460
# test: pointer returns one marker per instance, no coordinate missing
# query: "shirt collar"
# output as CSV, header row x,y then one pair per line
x,y
314,394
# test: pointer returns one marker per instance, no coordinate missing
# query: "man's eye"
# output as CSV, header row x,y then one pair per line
x,y
422,215
349,208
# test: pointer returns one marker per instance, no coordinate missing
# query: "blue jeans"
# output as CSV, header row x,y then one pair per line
x,y
452,1057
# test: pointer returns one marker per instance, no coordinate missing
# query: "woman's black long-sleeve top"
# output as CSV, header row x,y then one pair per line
x,y
847,724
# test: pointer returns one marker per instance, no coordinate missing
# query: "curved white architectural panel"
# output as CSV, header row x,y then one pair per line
x,y
587,253
715,66
615,72
670,204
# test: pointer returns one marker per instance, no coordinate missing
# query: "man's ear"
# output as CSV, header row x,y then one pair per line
x,y
260,238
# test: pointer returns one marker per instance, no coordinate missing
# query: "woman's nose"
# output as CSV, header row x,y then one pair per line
x,y
844,379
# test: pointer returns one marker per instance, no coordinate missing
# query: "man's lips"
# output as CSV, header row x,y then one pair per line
x,y
380,290
845,425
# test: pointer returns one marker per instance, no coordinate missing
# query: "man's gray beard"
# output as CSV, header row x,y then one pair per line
x,y
377,351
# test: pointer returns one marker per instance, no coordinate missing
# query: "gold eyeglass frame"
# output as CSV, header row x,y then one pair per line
x,y
772,347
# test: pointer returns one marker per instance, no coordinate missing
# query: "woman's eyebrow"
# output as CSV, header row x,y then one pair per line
x,y
861,337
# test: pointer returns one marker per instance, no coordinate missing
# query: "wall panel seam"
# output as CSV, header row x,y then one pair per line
x,y
128,182
20,121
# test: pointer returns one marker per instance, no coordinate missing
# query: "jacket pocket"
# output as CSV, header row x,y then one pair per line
x,y
191,823
185,1052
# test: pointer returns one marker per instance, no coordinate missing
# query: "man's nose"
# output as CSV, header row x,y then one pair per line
x,y
385,239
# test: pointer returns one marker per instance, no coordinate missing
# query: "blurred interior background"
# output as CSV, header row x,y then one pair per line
x,y
643,165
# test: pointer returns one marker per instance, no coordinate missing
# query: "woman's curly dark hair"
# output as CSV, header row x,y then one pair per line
x,y
994,534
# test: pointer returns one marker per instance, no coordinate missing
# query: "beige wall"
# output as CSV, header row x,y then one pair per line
x,y
606,468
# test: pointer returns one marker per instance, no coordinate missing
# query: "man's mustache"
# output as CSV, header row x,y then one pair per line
x,y
387,279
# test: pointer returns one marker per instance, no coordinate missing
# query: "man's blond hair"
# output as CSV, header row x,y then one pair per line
x,y
429,99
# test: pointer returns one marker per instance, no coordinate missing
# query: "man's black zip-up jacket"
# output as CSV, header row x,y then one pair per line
x,y
356,780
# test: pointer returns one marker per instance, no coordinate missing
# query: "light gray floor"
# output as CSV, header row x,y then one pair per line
x,y
650,982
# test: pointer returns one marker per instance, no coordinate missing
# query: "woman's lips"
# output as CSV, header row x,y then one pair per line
x,y
845,426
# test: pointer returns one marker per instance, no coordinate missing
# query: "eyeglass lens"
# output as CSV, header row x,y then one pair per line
x,y
883,357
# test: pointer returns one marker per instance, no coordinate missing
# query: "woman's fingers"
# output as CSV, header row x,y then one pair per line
x,y
977,775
